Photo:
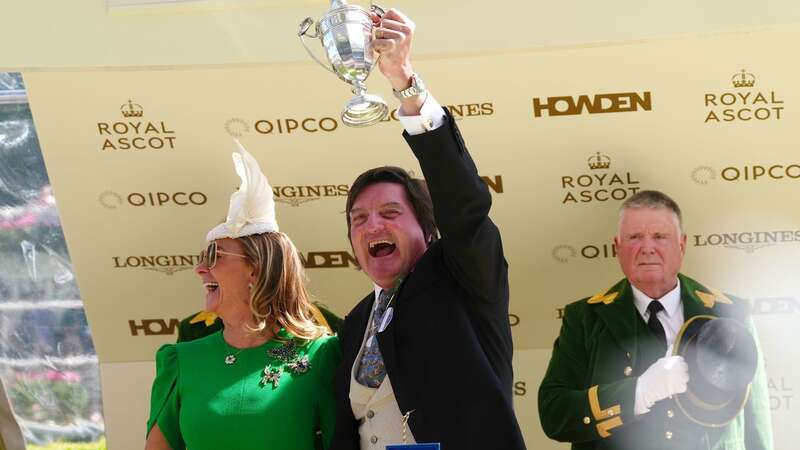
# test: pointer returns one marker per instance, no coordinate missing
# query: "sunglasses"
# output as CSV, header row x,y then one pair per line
x,y
209,255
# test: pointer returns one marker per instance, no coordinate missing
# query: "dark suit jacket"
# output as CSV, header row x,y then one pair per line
x,y
448,348
587,395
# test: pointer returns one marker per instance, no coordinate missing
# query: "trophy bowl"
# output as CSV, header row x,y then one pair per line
x,y
345,32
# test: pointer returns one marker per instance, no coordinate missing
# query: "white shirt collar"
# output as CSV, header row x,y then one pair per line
x,y
671,301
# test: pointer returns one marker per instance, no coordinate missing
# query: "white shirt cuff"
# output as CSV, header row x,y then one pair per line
x,y
431,117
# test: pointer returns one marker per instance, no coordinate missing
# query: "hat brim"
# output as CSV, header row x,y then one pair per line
x,y
223,230
714,414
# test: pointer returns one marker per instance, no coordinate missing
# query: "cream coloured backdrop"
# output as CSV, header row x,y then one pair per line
x,y
621,118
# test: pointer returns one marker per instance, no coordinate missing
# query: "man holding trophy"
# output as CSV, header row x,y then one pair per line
x,y
437,321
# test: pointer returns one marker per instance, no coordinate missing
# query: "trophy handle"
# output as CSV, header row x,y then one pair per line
x,y
302,31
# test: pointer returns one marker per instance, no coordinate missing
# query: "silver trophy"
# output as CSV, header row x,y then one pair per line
x,y
346,35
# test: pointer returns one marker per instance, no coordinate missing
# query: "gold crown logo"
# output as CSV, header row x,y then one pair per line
x,y
599,161
743,79
131,109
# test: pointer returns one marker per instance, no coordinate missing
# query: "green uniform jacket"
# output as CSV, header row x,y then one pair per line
x,y
587,395
198,325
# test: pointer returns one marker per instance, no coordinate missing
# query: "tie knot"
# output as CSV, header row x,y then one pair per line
x,y
654,307
385,295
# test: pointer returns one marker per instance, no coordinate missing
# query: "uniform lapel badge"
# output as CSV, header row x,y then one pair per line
x,y
204,316
712,297
604,297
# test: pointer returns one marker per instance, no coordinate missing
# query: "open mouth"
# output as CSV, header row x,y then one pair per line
x,y
211,287
381,248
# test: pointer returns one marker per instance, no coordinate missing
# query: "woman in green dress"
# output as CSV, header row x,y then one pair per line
x,y
265,380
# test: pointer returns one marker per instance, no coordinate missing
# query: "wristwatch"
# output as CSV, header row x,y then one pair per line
x,y
417,88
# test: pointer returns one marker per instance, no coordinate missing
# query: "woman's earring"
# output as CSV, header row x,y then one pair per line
x,y
250,286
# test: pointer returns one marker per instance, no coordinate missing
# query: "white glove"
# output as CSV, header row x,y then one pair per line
x,y
666,377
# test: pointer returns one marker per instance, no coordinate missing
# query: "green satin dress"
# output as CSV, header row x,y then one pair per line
x,y
201,403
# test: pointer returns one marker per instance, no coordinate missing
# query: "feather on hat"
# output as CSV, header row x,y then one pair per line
x,y
252,207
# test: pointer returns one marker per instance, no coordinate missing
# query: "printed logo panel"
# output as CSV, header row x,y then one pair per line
x,y
134,133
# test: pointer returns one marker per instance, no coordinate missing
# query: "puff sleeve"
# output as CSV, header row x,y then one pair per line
x,y
164,397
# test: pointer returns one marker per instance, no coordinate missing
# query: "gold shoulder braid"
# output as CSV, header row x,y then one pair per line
x,y
204,316
605,297
711,297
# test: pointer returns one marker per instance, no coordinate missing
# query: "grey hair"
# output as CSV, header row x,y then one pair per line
x,y
651,200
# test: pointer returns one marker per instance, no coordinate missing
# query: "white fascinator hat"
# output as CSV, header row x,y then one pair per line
x,y
252,207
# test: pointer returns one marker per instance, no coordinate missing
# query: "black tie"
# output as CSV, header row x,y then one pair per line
x,y
654,324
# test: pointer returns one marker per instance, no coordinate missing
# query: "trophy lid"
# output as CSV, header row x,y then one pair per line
x,y
338,3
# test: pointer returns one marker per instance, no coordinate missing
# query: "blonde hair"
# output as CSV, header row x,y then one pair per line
x,y
279,296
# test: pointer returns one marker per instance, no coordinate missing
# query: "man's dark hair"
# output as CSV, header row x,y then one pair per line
x,y
416,192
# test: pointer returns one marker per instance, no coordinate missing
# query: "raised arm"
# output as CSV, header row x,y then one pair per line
x,y
471,242
461,201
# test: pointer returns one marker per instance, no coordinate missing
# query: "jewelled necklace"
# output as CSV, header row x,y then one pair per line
x,y
230,358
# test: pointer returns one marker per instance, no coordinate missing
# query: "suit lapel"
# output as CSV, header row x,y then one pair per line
x,y
409,291
386,337
412,285
615,307
692,305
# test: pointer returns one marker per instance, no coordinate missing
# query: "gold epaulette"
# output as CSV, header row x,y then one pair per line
x,y
320,318
712,297
204,316
605,297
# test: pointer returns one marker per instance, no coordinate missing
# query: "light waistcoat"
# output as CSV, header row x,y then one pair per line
x,y
376,409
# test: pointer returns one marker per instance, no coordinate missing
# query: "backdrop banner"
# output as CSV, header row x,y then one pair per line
x,y
140,162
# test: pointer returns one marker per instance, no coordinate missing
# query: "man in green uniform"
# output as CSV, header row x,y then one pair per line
x,y
612,376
